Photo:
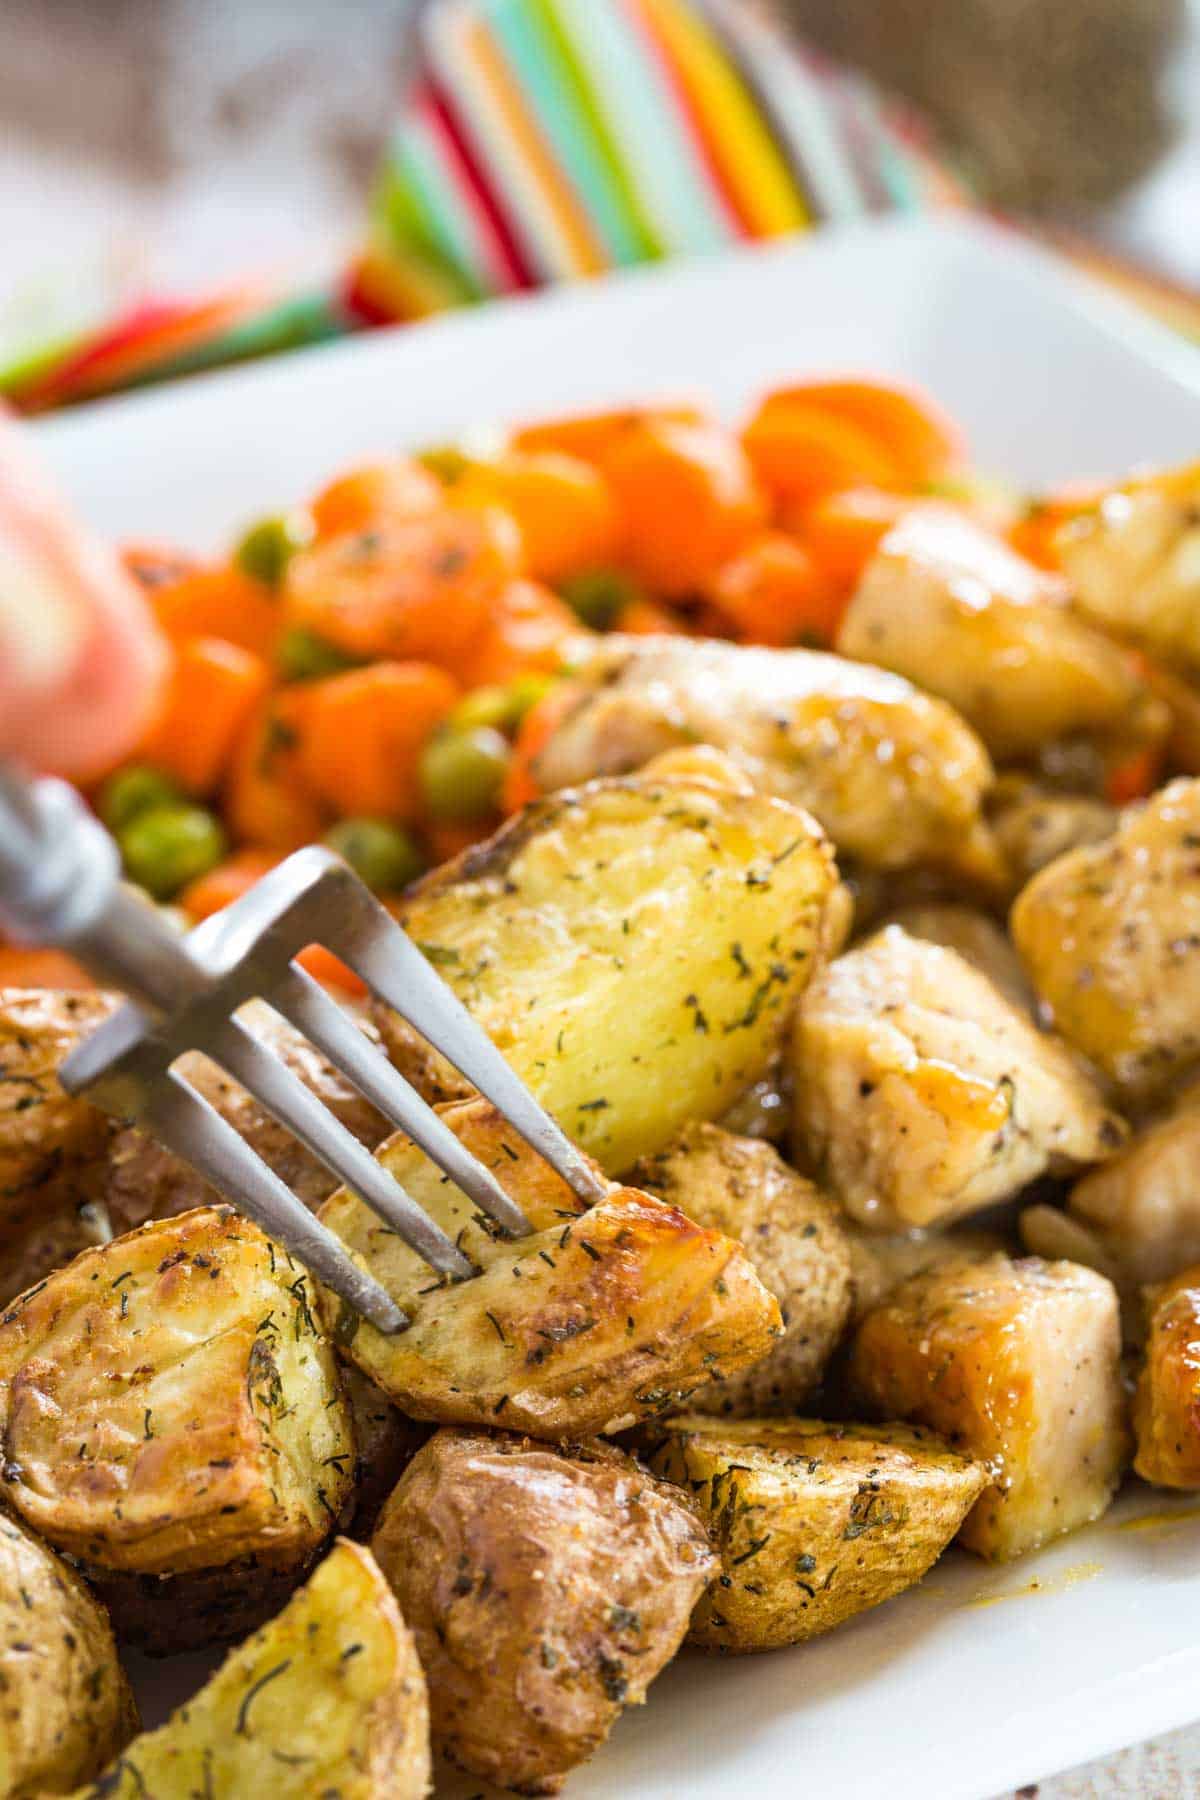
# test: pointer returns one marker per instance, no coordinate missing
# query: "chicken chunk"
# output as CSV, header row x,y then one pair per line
x,y
923,1095
1018,1364
951,607
1110,937
1033,824
978,940
1166,1408
1133,561
894,776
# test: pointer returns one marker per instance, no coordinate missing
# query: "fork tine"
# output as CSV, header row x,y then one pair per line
x,y
287,1099
185,1121
393,967
309,1008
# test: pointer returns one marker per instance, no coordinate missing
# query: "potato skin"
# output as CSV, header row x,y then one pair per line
x,y
170,1407
65,1705
327,1699
633,947
545,1589
814,1522
1166,1407
385,1442
601,1317
795,1242
1016,1363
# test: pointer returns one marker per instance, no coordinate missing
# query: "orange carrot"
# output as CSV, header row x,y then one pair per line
x,y
799,452
219,603
213,688
266,802
773,592
688,499
1035,533
226,883
1135,777
646,618
536,729
363,497
330,970
917,437
448,838
525,634
22,967
842,531
591,436
564,508
419,588
364,732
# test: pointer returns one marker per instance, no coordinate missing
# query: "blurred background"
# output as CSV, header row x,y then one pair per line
x,y
171,145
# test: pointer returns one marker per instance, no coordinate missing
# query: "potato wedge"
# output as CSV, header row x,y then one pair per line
x,y
814,1522
1166,1407
1017,1364
894,776
172,1414
633,948
601,1317
545,1589
65,1705
795,1242
327,1700
923,1094
1110,938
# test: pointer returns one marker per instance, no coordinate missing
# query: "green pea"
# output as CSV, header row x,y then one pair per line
x,y
600,595
502,708
462,773
268,547
304,656
132,791
165,847
381,854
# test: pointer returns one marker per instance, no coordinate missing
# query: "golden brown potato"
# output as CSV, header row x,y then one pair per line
x,y
633,948
1133,562
814,1522
327,1700
1017,1364
601,1317
949,605
923,1095
976,937
171,1409
895,777
545,1588
1110,938
1166,1408
1033,824
795,1242
65,1705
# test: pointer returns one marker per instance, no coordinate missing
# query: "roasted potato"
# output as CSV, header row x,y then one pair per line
x,y
172,1418
1166,1407
976,937
65,1705
633,948
894,776
949,605
1017,1363
1110,937
599,1318
1034,824
794,1240
922,1094
545,1588
327,1700
814,1522
1133,561
385,1442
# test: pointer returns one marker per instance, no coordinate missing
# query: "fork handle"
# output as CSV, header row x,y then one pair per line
x,y
60,883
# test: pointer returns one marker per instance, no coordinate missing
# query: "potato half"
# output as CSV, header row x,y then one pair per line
x,y
65,1705
1166,1409
327,1700
172,1411
814,1522
601,1317
545,1588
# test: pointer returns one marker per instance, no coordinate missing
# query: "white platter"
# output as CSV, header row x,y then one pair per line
x,y
1096,1642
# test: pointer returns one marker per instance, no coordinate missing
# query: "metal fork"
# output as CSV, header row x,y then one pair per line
x,y
60,883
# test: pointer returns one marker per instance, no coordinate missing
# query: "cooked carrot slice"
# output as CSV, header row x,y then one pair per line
x,y
536,728
842,531
23,967
646,618
919,440
525,634
364,732
1135,777
267,804
689,501
330,970
564,507
799,452
226,883
591,436
773,592
219,603
214,687
363,497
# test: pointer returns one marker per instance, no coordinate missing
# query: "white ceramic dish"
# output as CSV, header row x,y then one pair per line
x,y
1094,1643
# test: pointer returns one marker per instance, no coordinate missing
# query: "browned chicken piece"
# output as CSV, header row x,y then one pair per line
x,y
1018,1364
546,1588
922,1094
1110,937
1034,824
796,1244
1166,1407
1133,562
895,777
951,607
976,937
880,1262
